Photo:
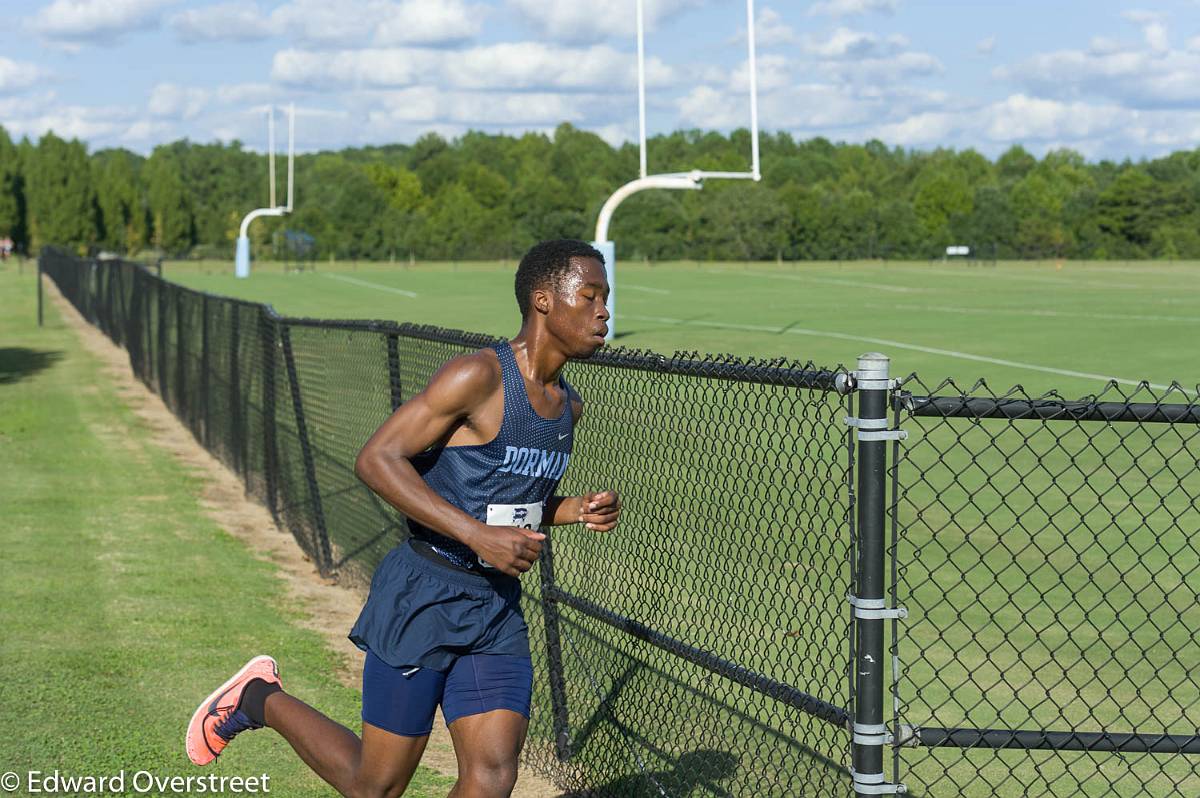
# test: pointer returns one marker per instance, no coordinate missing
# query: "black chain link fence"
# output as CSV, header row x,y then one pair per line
x,y
701,649
1048,553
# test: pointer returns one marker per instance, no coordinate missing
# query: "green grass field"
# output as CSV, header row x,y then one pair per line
x,y
1023,560
1044,325
995,536
121,603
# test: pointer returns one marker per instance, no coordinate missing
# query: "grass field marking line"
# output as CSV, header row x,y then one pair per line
x,y
369,284
1029,278
1032,312
898,289
897,345
645,288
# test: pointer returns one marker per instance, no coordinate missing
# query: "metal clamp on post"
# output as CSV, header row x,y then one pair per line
x,y
873,784
875,429
875,609
871,733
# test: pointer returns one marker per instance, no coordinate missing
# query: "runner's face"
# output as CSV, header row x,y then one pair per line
x,y
578,315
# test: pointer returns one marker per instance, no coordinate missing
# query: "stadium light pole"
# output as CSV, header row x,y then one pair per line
x,y
692,180
242,259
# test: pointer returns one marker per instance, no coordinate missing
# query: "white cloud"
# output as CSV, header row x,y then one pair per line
x,y
1131,77
36,115
348,68
846,8
1041,124
415,22
96,21
18,75
1023,118
866,71
424,104
222,22
861,58
147,132
333,23
847,43
1153,29
530,65
177,102
244,93
511,66
986,46
578,21
770,30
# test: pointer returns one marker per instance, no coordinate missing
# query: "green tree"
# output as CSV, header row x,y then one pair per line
x,y
123,211
169,201
12,190
61,199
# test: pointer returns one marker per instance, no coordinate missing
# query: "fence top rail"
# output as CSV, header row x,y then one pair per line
x,y
1047,409
727,368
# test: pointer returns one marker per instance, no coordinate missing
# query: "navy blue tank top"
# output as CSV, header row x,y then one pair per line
x,y
506,481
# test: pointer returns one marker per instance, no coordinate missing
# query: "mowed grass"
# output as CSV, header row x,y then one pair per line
x,y
1028,553
121,604
1043,325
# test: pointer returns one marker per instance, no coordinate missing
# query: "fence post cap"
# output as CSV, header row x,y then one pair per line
x,y
872,365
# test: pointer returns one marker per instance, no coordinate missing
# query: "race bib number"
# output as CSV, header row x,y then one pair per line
x,y
526,516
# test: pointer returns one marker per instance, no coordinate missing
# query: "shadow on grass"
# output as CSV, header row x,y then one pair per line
x,y
17,362
702,769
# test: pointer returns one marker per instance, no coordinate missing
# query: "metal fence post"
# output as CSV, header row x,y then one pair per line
x,y
233,439
39,289
324,557
869,733
554,661
207,437
161,335
268,325
393,350
180,360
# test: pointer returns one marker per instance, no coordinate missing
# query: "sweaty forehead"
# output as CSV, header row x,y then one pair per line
x,y
585,271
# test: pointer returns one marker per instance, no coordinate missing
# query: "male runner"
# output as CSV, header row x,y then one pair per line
x,y
472,461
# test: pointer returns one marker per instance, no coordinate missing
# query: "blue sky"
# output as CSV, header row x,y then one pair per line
x,y
1112,80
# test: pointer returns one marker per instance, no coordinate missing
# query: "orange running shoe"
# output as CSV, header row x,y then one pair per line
x,y
218,719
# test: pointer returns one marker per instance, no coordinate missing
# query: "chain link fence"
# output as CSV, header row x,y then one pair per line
x,y
703,649
1048,553
961,593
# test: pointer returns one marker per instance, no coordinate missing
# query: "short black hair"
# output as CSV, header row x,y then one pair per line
x,y
545,263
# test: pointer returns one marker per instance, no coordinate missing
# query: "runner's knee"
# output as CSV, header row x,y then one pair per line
x,y
378,789
494,778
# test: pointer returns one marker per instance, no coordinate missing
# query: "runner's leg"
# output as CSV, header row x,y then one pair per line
x,y
486,703
380,764
488,747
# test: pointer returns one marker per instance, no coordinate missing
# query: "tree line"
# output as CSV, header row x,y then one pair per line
x,y
492,196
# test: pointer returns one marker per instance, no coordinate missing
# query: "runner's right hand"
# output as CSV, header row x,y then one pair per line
x,y
510,549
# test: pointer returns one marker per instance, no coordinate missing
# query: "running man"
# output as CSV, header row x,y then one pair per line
x,y
472,461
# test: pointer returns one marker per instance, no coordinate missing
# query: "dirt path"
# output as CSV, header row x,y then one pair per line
x,y
329,609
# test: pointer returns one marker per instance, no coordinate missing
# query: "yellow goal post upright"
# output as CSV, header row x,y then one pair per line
x,y
242,259
675,180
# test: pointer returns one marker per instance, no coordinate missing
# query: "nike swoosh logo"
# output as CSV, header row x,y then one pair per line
x,y
565,434
214,705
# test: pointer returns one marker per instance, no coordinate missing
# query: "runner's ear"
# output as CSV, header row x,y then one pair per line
x,y
542,299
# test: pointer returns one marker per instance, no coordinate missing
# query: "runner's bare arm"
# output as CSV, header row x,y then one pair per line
x,y
455,395
599,511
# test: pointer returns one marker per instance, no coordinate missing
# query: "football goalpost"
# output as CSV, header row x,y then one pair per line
x,y
242,262
692,180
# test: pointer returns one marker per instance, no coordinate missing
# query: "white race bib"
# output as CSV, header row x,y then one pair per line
x,y
526,516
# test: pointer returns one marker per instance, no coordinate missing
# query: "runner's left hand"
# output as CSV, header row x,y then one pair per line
x,y
599,511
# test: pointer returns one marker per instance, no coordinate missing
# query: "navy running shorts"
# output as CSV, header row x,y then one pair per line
x,y
424,612
402,700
